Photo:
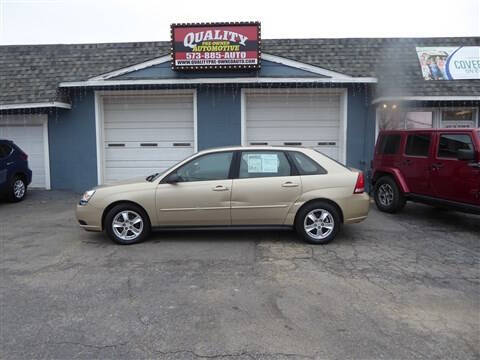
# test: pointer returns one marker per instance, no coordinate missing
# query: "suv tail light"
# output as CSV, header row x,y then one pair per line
x,y
360,185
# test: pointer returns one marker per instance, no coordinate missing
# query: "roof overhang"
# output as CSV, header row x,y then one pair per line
x,y
54,104
425,98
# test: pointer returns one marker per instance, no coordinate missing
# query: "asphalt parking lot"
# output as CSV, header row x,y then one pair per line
x,y
401,286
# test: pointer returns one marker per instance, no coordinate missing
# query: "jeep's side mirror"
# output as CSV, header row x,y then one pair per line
x,y
464,154
173,178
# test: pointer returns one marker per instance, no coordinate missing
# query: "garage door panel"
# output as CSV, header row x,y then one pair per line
x,y
27,132
120,135
304,119
147,154
141,134
154,124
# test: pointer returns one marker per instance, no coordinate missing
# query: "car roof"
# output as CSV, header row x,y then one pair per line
x,y
254,147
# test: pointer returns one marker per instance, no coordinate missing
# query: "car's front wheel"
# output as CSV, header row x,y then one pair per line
x,y
388,196
127,224
18,189
318,222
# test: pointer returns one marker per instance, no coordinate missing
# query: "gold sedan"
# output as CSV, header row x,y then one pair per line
x,y
235,187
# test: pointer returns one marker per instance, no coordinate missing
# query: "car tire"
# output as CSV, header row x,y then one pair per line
x,y
17,189
318,222
388,196
127,224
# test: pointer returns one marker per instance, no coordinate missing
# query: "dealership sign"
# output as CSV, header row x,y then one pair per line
x,y
216,46
450,63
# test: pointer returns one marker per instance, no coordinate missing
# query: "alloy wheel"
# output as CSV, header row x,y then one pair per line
x,y
385,194
319,224
127,225
19,189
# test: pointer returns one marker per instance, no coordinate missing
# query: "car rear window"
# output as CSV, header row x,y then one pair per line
x,y
5,150
305,165
389,144
450,143
417,145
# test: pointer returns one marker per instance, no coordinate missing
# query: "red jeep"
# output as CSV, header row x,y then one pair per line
x,y
438,167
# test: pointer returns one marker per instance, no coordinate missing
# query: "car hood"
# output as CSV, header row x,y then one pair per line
x,y
137,180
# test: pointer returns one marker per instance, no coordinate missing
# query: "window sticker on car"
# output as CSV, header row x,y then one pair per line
x,y
262,163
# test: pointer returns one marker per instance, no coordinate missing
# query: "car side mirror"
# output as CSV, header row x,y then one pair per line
x,y
173,178
464,154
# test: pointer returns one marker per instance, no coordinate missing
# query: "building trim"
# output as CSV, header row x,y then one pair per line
x,y
99,119
56,104
128,69
342,92
426,98
245,80
46,154
306,67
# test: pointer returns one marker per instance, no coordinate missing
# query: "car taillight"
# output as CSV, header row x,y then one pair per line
x,y
360,185
23,156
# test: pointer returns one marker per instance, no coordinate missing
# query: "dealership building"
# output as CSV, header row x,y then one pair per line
x,y
89,114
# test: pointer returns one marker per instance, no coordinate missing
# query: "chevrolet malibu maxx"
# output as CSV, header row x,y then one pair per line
x,y
235,187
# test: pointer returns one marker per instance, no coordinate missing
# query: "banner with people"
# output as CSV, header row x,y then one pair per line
x,y
449,63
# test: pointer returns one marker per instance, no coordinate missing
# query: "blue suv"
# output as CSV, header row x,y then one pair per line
x,y
15,175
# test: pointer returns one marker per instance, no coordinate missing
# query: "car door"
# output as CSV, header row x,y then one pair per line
x,y
264,189
415,161
202,194
454,179
4,151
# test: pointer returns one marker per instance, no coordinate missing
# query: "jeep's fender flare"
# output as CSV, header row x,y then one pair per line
x,y
395,173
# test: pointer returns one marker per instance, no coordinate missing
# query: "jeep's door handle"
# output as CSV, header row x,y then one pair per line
x,y
289,184
474,165
220,188
437,166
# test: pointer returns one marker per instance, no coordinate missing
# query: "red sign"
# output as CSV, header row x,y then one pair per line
x,y
216,46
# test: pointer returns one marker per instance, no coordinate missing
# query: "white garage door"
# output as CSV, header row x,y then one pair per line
x,y
291,117
30,134
146,134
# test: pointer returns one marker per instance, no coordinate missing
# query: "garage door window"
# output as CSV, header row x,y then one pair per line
x,y
263,164
208,167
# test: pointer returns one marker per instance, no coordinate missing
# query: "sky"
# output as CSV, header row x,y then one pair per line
x,y
94,21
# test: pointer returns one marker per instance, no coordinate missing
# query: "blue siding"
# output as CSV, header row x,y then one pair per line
x,y
268,69
72,140
218,116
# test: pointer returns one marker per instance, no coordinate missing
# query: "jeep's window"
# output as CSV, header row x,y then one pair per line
x,y
305,165
450,143
389,144
214,166
417,145
263,164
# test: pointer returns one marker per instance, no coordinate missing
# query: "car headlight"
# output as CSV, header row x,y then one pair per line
x,y
86,197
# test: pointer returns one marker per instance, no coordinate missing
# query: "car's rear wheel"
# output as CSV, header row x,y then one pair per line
x,y
127,224
17,190
388,196
318,222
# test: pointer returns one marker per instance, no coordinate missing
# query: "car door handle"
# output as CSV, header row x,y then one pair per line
x,y
289,184
10,163
220,188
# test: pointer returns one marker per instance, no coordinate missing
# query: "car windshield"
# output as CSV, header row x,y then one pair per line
x,y
155,176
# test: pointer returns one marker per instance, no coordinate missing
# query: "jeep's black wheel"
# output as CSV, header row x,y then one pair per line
x,y
388,196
